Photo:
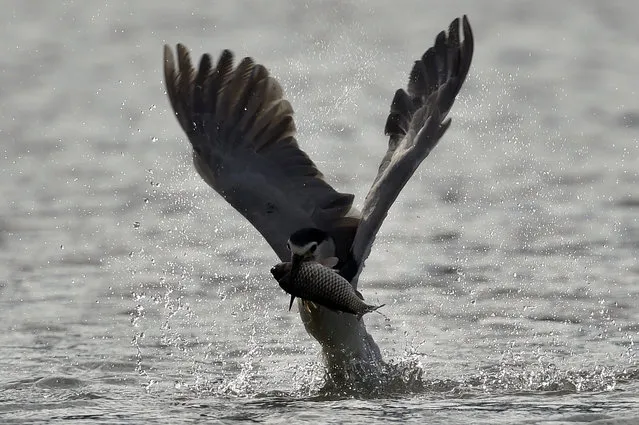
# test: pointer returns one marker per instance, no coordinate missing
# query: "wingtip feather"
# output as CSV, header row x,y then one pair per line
x,y
433,85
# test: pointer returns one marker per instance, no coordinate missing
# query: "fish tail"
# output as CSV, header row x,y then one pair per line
x,y
369,309
375,307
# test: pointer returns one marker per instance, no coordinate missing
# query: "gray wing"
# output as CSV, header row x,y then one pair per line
x,y
244,146
416,123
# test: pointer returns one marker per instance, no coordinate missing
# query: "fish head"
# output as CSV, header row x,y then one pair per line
x,y
279,271
282,273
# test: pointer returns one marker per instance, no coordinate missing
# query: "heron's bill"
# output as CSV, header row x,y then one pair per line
x,y
295,263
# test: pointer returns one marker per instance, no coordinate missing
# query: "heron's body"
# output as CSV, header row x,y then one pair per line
x,y
243,137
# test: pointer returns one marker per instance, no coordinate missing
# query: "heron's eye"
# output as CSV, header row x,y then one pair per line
x,y
313,248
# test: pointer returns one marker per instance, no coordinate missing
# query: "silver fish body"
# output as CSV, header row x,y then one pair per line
x,y
321,285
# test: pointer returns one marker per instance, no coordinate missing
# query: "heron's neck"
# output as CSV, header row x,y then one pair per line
x,y
344,339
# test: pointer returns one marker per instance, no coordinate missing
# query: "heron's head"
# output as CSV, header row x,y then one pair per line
x,y
310,244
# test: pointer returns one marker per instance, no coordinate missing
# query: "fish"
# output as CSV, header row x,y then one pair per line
x,y
319,284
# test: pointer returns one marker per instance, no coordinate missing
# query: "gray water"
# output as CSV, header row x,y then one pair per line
x,y
131,293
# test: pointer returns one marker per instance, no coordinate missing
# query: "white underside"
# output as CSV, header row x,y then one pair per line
x,y
343,337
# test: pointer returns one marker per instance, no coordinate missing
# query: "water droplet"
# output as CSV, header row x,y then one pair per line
x,y
136,225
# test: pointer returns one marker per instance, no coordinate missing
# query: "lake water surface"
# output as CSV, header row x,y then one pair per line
x,y
131,293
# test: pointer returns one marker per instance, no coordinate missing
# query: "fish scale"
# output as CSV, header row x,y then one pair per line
x,y
321,285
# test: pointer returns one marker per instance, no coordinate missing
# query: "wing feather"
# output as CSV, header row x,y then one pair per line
x,y
243,137
416,122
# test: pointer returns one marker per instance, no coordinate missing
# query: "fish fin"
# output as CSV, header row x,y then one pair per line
x,y
290,305
310,305
359,294
330,262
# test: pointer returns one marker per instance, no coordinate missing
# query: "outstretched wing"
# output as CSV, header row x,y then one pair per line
x,y
244,146
416,122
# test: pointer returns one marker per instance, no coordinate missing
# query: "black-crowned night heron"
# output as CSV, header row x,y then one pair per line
x,y
243,137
